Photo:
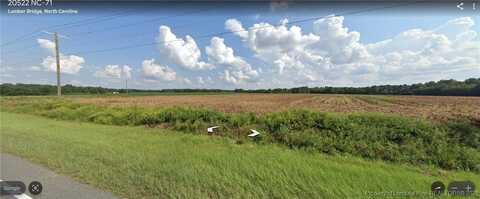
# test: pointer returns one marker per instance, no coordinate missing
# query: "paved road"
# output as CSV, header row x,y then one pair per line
x,y
54,186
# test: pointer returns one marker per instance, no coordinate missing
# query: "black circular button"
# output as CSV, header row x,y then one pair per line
x,y
438,188
35,188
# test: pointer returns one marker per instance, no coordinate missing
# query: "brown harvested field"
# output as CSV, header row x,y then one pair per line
x,y
431,107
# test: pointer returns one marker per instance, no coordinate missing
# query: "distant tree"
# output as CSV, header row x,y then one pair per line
x,y
469,87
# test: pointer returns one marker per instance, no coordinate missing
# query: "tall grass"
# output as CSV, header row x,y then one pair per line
x,y
454,145
137,162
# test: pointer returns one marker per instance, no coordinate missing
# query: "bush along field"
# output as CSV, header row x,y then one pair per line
x,y
454,145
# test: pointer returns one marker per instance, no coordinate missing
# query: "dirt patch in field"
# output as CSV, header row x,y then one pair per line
x,y
430,107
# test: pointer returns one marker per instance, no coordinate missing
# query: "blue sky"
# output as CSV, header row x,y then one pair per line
x,y
23,61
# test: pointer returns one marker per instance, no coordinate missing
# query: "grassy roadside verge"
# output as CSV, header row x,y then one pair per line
x,y
136,162
453,146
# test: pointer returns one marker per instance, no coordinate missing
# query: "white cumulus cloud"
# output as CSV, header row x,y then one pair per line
x,y
69,64
47,44
200,80
183,52
451,46
115,71
332,54
237,69
153,71
236,27
278,45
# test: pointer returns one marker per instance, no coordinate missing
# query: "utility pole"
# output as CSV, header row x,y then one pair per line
x,y
57,56
126,86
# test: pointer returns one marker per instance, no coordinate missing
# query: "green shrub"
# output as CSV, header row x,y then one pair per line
x,y
465,133
369,135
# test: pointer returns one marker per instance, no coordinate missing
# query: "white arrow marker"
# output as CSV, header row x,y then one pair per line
x,y
254,133
460,6
210,129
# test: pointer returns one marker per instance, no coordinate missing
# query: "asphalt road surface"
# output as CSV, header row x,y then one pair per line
x,y
55,186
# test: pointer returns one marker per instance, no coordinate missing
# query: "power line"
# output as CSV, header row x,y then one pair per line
x,y
134,35
29,47
141,22
65,25
253,28
113,28
24,49
123,14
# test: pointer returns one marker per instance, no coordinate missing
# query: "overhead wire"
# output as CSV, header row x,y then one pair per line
x,y
252,28
23,37
27,47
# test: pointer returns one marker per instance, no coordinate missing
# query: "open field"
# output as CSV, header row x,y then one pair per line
x,y
452,145
436,108
138,162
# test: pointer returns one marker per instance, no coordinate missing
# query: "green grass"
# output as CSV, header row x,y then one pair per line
x,y
453,146
139,162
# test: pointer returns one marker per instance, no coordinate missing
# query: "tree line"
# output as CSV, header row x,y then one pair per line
x,y
469,87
